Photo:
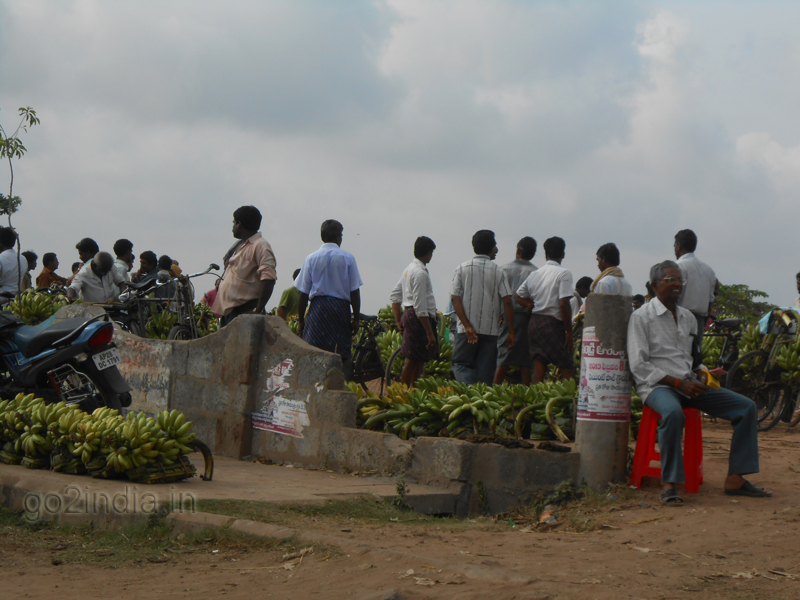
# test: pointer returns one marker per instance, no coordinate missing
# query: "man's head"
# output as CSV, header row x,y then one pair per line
x,y
423,249
87,248
164,263
638,301
331,232
103,263
555,249
50,261
31,257
123,249
526,248
8,237
607,256
685,241
295,274
483,242
246,222
148,261
667,282
584,286
797,278
76,266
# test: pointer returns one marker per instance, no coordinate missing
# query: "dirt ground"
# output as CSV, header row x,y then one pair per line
x,y
624,545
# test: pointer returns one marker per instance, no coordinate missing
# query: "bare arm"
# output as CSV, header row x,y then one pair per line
x,y
526,302
566,318
355,302
398,313
266,292
472,336
302,303
508,307
282,312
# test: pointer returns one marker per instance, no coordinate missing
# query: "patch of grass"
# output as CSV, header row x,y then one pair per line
x,y
141,541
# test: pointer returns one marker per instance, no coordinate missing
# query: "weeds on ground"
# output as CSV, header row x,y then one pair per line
x,y
139,542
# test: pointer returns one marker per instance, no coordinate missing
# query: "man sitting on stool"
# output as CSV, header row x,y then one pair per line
x,y
661,336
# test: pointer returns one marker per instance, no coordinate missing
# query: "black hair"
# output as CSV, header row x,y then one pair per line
x,y
164,262
423,245
75,266
686,239
149,257
555,248
483,241
8,237
797,276
48,258
122,247
330,231
638,297
295,274
87,245
610,253
30,256
249,217
583,282
527,247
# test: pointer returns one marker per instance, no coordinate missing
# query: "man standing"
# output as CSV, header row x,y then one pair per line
x,y
330,280
249,276
660,340
32,259
516,272
287,307
86,248
48,275
797,281
611,280
547,292
413,295
479,290
583,288
123,249
12,267
698,289
98,282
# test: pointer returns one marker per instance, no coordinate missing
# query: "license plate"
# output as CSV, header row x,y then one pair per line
x,y
107,358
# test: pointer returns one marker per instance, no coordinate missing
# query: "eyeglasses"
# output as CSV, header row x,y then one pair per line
x,y
672,280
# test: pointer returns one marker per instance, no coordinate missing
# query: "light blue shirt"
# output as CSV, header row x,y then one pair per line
x,y
330,271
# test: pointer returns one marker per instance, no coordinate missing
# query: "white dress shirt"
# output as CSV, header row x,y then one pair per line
x,y
96,289
698,291
12,270
330,271
616,286
546,287
481,284
415,290
516,272
658,346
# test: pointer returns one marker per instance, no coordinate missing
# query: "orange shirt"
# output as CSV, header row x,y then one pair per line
x,y
252,263
47,277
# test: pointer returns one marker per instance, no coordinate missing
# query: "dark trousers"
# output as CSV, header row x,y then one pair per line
x,y
247,307
722,403
474,363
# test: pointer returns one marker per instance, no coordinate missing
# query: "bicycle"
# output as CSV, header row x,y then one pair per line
x,y
730,330
757,374
182,303
367,365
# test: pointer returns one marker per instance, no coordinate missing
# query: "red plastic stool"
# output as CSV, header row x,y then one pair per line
x,y
646,449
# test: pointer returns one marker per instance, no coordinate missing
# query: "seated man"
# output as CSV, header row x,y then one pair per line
x,y
99,282
48,275
148,267
661,336
32,259
124,250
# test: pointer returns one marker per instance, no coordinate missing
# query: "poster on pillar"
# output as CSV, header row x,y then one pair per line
x,y
279,414
604,393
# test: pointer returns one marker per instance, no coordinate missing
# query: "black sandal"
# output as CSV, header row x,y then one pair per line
x,y
670,497
748,489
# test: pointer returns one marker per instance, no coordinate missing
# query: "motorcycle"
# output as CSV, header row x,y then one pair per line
x,y
74,360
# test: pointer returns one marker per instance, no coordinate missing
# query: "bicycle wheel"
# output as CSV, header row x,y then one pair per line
x,y
132,327
180,332
750,377
392,370
367,369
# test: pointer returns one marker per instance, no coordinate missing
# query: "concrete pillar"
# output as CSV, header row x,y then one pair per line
x,y
604,392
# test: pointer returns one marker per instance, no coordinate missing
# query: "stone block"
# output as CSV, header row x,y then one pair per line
x,y
332,409
441,460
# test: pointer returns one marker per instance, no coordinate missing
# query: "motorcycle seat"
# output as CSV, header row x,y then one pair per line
x,y
730,323
32,340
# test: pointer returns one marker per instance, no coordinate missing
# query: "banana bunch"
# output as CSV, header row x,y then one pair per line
x,y
712,349
293,324
788,359
388,342
135,442
88,435
207,322
159,325
12,413
386,315
41,430
34,307
178,434
751,339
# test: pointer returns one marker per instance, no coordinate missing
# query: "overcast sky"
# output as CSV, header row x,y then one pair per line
x,y
594,121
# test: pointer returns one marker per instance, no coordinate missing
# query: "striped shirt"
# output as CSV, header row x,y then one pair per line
x,y
481,285
658,346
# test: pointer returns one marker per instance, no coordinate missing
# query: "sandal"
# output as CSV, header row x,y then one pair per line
x,y
671,498
748,489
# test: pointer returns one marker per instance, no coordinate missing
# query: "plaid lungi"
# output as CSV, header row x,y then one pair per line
x,y
415,339
548,339
328,325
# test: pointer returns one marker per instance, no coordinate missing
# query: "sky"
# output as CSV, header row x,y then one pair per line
x,y
597,122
